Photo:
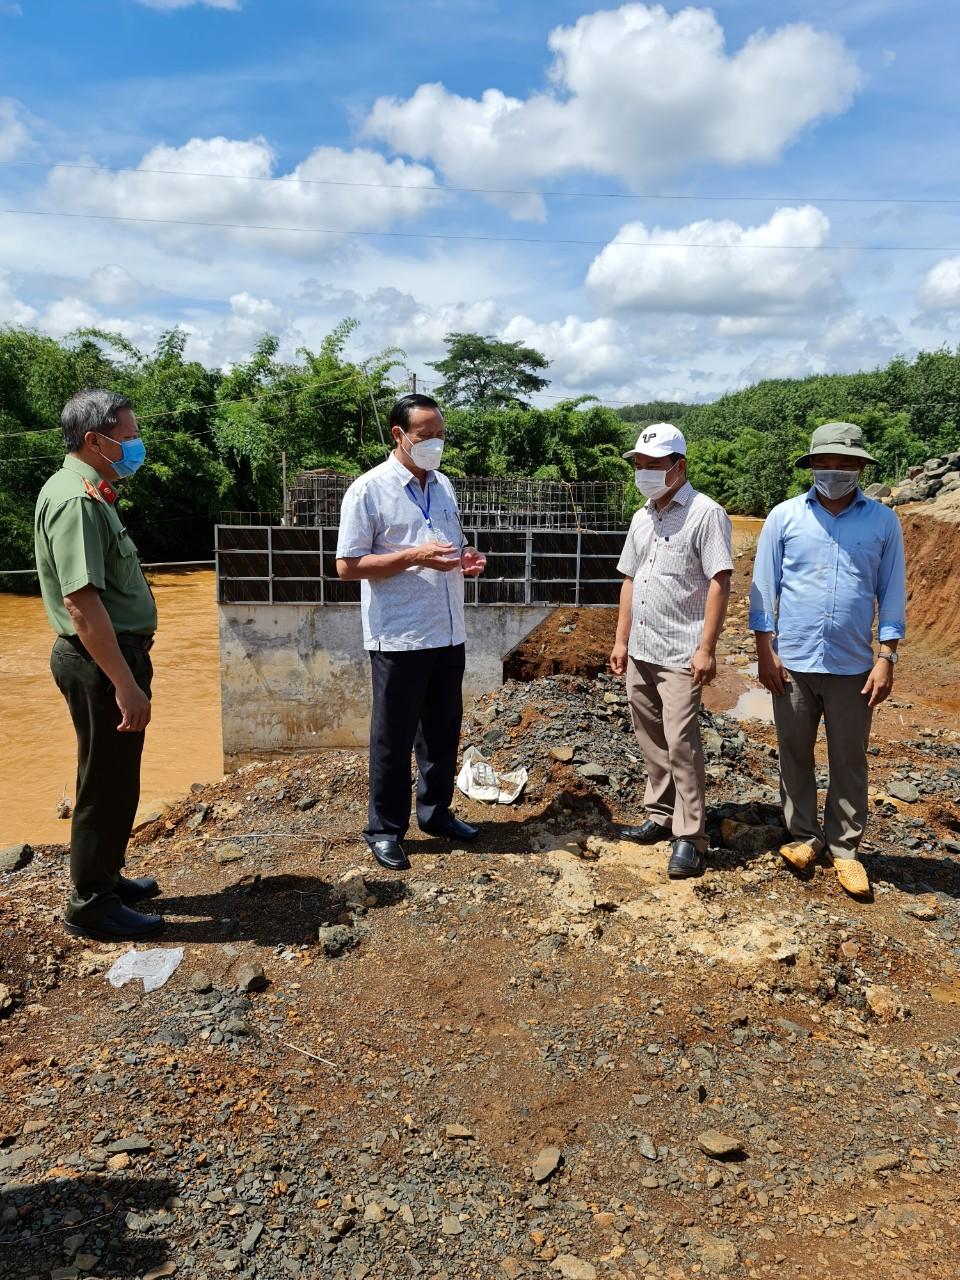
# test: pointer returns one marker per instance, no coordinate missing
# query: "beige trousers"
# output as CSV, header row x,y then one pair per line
x,y
663,706
837,700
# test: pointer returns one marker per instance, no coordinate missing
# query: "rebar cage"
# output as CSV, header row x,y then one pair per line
x,y
314,502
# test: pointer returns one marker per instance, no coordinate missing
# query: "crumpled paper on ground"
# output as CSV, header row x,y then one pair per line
x,y
480,781
154,967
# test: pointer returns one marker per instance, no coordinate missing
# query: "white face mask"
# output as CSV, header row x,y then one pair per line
x,y
652,484
425,453
835,484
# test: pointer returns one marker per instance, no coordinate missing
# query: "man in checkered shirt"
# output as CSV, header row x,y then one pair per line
x,y
676,566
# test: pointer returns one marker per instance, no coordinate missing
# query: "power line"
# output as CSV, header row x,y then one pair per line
x,y
292,180
470,236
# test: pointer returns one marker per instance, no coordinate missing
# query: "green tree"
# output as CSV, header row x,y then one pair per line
x,y
484,371
655,411
324,412
170,506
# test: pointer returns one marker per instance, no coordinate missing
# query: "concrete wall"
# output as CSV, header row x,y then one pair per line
x,y
296,677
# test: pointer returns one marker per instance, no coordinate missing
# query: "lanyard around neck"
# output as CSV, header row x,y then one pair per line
x,y
423,508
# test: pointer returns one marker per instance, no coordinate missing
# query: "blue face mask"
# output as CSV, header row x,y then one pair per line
x,y
133,454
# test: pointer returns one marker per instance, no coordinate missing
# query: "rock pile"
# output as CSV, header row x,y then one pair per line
x,y
923,483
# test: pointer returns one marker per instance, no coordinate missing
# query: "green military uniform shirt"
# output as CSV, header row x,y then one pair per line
x,y
80,541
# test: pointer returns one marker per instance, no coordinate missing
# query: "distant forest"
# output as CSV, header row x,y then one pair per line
x,y
215,437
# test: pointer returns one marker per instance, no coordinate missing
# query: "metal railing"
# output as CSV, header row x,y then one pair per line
x,y
274,564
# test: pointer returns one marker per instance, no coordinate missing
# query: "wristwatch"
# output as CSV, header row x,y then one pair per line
x,y
890,656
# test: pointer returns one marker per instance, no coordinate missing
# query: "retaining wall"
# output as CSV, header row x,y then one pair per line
x,y
295,677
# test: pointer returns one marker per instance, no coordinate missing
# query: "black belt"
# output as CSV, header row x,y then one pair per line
x,y
125,639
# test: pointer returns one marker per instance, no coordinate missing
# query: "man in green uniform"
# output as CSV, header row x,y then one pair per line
x,y
104,614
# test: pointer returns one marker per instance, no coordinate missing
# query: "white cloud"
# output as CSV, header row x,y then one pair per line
x,y
14,134
582,353
222,180
170,5
844,342
708,267
12,309
857,340
256,311
637,94
777,364
940,290
114,286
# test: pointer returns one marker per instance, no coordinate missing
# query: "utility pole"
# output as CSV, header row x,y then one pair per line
x,y
413,383
283,464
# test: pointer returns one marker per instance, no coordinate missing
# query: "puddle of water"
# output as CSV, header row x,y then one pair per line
x,y
754,704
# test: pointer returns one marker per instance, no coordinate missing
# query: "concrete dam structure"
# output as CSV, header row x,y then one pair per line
x,y
294,673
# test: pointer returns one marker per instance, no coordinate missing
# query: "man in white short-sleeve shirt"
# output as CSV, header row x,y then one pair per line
x,y
676,562
400,536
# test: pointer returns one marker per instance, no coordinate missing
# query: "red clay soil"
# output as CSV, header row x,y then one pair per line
x,y
933,593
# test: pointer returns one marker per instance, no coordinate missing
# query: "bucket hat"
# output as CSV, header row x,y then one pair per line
x,y
843,438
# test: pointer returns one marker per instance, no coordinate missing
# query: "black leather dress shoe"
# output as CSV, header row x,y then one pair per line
x,y
648,832
119,925
451,828
389,853
131,891
685,860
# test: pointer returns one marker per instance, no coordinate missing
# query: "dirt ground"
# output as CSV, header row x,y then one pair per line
x,y
533,1056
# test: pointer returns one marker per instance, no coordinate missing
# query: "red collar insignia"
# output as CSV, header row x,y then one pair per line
x,y
102,493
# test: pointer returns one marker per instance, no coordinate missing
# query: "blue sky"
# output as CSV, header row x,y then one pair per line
x,y
179,114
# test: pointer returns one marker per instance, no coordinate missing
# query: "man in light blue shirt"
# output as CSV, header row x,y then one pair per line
x,y
400,537
828,562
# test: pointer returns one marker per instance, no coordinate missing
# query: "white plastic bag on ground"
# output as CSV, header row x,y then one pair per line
x,y
480,781
154,967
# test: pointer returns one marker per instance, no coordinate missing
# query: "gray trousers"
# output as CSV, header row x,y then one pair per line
x,y
664,703
837,700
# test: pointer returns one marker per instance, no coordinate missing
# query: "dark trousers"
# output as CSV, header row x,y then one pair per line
x,y
417,706
108,777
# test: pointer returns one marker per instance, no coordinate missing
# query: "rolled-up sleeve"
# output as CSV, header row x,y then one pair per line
x,y
892,586
356,533
767,571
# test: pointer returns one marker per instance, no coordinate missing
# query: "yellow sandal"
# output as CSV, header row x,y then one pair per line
x,y
801,854
853,877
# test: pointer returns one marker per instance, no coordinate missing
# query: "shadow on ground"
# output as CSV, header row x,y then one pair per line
x,y
268,910
40,1223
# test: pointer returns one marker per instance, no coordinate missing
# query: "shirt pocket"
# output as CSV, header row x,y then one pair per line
x,y
672,561
399,534
860,554
128,563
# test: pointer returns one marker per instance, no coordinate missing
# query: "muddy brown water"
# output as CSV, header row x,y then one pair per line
x,y
36,738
